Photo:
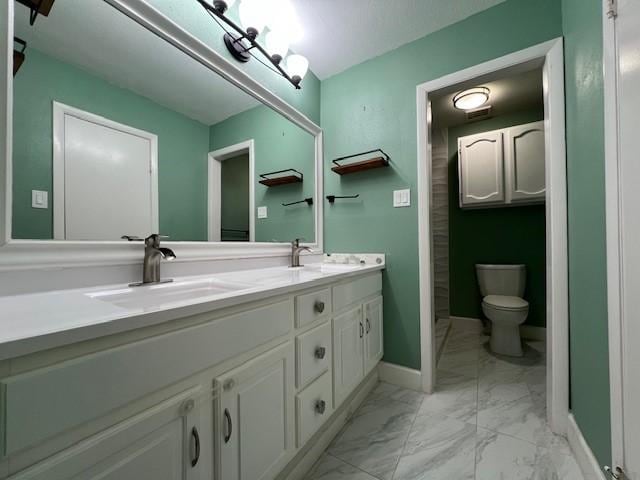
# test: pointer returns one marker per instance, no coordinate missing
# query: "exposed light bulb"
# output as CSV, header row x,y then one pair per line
x,y
283,18
471,98
253,14
297,66
277,43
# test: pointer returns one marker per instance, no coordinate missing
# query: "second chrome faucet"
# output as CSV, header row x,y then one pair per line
x,y
296,249
153,254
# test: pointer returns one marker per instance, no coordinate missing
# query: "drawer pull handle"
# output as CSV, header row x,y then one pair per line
x,y
319,307
361,330
229,424
321,406
320,353
368,326
196,438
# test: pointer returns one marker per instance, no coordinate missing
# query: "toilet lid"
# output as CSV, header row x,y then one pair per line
x,y
504,302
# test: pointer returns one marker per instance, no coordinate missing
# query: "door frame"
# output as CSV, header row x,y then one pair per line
x,y
551,52
613,232
60,110
214,187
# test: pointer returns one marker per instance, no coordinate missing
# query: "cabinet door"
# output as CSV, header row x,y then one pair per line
x,y
525,163
254,428
481,169
373,333
166,442
348,359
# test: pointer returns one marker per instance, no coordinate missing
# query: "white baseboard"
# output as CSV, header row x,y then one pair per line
x,y
583,454
303,462
401,376
530,332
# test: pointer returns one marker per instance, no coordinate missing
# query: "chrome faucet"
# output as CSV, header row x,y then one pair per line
x,y
295,252
153,254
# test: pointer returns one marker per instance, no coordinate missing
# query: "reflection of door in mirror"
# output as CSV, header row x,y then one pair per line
x,y
105,177
230,191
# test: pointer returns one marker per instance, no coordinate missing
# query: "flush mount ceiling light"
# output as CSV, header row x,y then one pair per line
x,y
257,16
471,98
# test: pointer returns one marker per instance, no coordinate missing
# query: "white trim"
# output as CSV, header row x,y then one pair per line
x,y
214,190
401,376
29,254
556,219
584,456
60,110
613,234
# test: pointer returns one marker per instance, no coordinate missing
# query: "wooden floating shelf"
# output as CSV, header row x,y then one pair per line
x,y
354,167
45,6
268,181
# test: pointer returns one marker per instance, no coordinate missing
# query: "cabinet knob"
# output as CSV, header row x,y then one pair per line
x,y
368,326
320,353
196,455
319,307
321,406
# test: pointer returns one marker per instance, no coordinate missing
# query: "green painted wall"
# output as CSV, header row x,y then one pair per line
x,y
183,145
234,209
582,24
493,235
374,105
279,144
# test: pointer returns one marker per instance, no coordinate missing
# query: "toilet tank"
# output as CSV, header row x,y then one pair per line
x,y
501,279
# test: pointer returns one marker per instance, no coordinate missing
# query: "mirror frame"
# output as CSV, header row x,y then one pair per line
x,y
35,254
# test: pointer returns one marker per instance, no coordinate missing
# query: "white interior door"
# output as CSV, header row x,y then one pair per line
x,y
105,178
626,382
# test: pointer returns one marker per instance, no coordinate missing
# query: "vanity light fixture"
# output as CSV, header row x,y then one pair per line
x,y
241,40
471,98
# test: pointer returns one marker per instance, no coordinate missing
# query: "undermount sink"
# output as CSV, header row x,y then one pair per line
x,y
159,295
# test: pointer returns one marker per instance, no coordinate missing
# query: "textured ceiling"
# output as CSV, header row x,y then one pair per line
x,y
338,34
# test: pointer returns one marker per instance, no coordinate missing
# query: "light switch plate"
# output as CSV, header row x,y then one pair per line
x,y
402,198
262,212
39,199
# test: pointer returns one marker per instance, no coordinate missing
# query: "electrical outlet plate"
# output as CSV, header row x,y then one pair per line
x,y
402,198
262,212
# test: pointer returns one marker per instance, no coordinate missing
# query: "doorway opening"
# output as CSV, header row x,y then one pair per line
x,y
231,195
497,169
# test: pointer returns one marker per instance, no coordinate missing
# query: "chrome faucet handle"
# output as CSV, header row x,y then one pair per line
x,y
296,241
153,240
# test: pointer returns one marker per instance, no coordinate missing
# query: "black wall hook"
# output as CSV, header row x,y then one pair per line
x,y
332,198
308,200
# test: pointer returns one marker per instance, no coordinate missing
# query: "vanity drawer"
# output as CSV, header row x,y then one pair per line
x,y
313,408
311,306
349,293
313,354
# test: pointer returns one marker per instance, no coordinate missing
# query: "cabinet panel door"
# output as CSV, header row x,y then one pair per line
x,y
481,169
255,428
525,162
348,360
157,444
373,346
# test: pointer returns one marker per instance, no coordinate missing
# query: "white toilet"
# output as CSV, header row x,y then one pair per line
x,y
502,289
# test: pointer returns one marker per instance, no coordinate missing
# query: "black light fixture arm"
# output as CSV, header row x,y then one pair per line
x,y
234,43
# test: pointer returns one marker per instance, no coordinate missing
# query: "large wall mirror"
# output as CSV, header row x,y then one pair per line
x,y
117,132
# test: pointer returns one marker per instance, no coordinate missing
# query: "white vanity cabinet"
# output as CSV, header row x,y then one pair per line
x,y
255,432
503,167
231,394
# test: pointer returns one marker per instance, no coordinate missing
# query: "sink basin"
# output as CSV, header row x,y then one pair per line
x,y
164,294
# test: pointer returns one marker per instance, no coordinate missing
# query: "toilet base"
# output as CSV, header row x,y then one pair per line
x,y
505,339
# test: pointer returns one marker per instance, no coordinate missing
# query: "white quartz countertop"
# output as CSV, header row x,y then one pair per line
x,y
35,322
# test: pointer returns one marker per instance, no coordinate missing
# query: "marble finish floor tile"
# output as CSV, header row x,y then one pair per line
x,y
332,468
438,447
486,420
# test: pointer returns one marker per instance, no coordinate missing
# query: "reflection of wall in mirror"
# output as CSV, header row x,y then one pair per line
x,y
183,145
279,144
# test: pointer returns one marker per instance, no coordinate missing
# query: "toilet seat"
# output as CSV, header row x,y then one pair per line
x,y
506,303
